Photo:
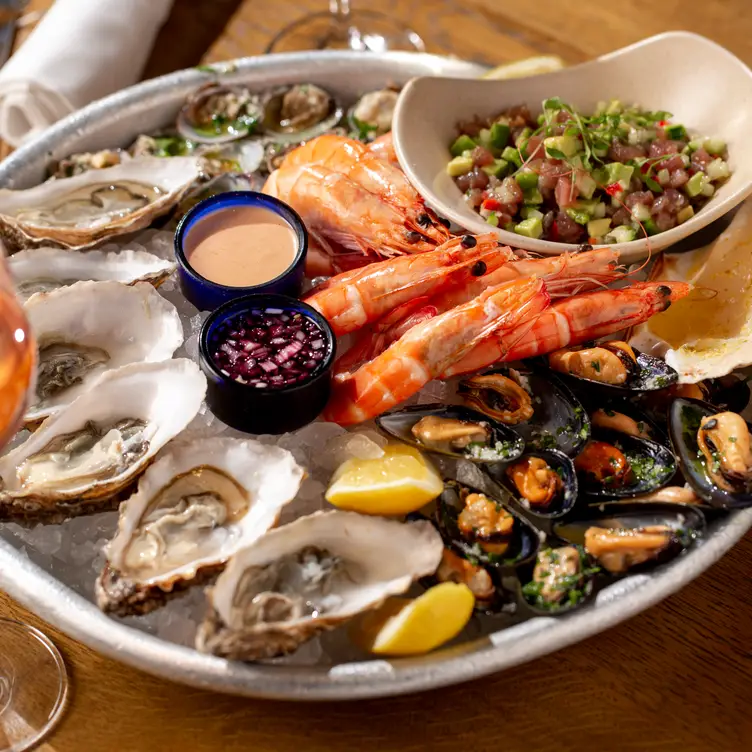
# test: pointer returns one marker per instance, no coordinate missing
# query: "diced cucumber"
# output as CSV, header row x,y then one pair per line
x,y
533,196
614,107
499,135
462,143
527,179
694,144
616,172
717,170
640,135
493,219
566,145
585,205
597,228
686,213
715,146
530,212
581,217
708,189
498,169
459,166
617,200
484,137
663,177
693,187
640,213
621,234
512,155
650,227
523,137
600,148
685,160
530,228
599,211
675,131
586,185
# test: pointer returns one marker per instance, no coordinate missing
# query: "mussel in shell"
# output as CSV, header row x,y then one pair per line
x,y
539,406
453,431
560,579
615,365
483,528
713,449
610,418
456,568
622,537
616,464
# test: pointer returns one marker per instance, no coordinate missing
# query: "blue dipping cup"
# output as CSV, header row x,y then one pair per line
x,y
253,410
207,295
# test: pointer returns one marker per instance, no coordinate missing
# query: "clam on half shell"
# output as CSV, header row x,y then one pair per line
x,y
196,506
80,458
92,327
311,576
47,269
80,211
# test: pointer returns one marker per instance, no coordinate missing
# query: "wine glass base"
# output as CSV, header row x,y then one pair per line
x,y
362,30
33,686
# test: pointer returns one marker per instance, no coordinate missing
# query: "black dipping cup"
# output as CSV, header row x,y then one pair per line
x,y
265,410
207,295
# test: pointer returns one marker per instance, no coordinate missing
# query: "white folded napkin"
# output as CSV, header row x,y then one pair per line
x,y
80,51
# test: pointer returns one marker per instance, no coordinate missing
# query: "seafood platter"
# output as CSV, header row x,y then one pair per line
x,y
384,454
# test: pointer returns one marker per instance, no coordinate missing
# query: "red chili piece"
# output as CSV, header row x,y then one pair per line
x,y
613,189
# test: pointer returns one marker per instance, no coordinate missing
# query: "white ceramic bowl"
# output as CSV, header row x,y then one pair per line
x,y
703,85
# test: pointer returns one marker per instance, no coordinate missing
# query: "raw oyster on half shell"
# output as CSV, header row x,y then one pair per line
x,y
80,458
92,327
196,506
80,211
311,576
47,269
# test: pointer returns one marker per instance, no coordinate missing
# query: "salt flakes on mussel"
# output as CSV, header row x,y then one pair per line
x,y
217,113
482,528
613,365
453,431
714,452
618,465
543,482
539,406
622,538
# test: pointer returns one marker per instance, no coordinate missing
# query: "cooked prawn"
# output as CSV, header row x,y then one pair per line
x,y
383,148
354,299
565,274
338,210
574,320
354,159
429,348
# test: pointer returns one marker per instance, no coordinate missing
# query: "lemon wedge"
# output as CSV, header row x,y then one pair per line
x,y
402,626
399,482
529,66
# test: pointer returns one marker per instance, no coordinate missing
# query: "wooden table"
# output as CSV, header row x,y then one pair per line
x,y
674,678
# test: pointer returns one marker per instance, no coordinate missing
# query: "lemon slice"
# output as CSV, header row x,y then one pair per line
x,y
410,627
529,66
399,482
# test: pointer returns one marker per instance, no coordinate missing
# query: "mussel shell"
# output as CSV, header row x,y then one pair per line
x,y
730,393
272,103
523,545
559,420
653,374
398,424
684,421
563,503
686,520
660,460
632,410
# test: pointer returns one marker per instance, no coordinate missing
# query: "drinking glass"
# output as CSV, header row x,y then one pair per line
x,y
342,28
33,681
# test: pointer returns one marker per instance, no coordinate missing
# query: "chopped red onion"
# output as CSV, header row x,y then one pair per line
x,y
269,349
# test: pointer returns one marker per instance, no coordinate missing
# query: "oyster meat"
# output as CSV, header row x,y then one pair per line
x,y
47,269
80,211
92,327
310,576
196,506
84,455
216,113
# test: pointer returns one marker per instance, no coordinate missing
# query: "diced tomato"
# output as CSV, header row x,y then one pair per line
x,y
613,189
592,240
491,204
663,123
554,232
644,168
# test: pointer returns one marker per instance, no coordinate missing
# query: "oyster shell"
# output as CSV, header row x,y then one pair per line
x,y
371,116
298,113
311,576
216,113
92,327
47,269
85,454
80,211
196,506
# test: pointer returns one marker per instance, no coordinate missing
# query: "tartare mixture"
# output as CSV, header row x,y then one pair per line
x,y
612,177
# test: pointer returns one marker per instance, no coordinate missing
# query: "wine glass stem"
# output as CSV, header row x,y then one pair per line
x,y
340,8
